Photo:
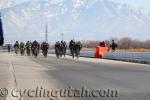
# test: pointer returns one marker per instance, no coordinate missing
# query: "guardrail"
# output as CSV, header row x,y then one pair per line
x,y
137,57
130,56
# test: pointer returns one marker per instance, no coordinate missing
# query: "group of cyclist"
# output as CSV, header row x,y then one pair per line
x,y
75,48
31,48
61,47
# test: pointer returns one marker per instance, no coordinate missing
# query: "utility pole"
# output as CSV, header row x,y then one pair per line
x,y
62,35
46,33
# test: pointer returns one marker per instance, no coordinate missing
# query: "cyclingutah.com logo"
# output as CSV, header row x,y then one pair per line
x,y
69,92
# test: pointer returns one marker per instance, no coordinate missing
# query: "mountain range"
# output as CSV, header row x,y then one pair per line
x,y
79,19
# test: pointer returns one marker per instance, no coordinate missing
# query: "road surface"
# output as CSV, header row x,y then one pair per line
x,y
26,78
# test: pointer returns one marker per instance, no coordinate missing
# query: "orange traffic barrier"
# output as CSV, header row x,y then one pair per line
x,y
101,51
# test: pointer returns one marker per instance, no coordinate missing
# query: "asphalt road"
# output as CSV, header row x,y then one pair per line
x,y
24,76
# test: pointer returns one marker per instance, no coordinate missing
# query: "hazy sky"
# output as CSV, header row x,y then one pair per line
x,y
136,3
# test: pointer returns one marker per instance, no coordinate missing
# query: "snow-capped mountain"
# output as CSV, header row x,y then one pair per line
x,y
82,19
6,3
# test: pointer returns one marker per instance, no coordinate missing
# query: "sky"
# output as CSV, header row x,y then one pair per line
x,y
136,3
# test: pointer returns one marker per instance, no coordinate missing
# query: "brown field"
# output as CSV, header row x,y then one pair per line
x,y
121,50
134,50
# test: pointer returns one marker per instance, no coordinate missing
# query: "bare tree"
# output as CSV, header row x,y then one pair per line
x,y
128,43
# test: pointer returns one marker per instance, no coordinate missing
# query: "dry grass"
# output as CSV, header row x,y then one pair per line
x,y
121,50
134,50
